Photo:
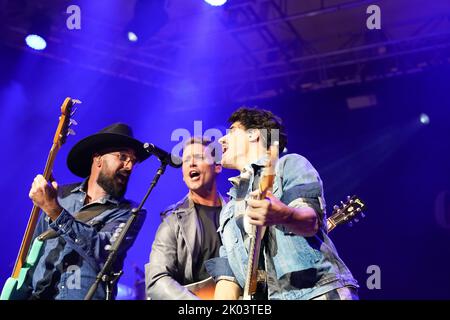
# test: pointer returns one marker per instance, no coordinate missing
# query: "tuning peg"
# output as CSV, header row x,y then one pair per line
x,y
335,207
359,209
356,220
71,132
73,111
363,215
73,122
74,101
348,197
108,247
342,203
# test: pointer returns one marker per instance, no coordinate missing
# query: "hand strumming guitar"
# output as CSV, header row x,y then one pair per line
x,y
271,211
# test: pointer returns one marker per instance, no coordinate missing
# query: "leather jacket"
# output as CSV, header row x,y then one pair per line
x,y
175,248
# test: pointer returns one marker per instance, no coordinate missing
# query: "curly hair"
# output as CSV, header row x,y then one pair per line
x,y
254,118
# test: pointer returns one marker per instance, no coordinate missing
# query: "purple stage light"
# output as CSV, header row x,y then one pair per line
x,y
424,119
35,42
132,36
216,3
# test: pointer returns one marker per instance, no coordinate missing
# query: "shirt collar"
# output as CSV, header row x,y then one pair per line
x,y
248,171
246,174
80,187
108,198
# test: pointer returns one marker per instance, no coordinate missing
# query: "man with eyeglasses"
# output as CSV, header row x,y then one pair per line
x,y
83,218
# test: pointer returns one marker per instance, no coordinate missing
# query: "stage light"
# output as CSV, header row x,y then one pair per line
x,y
149,17
39,30
216,3
424,119
132,36
35,42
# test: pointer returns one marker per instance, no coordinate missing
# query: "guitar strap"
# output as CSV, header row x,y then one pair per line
x,y
84,216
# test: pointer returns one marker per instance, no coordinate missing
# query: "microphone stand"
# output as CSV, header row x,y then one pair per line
x,y
107,274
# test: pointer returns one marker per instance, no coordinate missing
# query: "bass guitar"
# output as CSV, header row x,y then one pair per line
x,y
27,258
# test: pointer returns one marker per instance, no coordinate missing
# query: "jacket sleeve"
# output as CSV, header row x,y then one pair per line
x,y
91,241
302,186
219,268
162,270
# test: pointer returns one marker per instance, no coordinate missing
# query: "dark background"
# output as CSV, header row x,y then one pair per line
x,y
382,153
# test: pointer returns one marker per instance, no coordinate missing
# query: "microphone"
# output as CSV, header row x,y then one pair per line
x,y
163,156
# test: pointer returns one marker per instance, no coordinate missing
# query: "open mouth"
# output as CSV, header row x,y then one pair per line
x,y
194,175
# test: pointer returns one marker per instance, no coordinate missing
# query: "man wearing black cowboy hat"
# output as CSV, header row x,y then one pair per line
x,y
81,219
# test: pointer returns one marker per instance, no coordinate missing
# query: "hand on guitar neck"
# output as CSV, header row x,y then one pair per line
x,y
44,196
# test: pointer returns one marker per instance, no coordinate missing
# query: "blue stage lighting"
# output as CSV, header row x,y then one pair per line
x,y
132,36
125,293
39,29
216,3
424,119
149,17
35,42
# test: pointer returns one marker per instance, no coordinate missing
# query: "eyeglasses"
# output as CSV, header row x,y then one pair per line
x,y
125,158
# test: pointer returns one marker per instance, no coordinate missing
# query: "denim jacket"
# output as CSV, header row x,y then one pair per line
x,y
73,259
308,266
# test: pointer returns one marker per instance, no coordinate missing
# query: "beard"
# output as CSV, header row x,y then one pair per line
x,y
116,185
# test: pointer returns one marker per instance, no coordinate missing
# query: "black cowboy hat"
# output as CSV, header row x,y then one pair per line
x,y
117,135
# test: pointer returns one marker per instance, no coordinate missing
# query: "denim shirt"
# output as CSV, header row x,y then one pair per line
x,y
73,259
305,266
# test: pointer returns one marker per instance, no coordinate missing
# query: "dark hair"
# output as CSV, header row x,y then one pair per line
x,y
254,118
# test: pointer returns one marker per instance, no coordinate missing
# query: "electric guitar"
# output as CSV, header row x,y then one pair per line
x,y
346,212
205,289
256,233
27,258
